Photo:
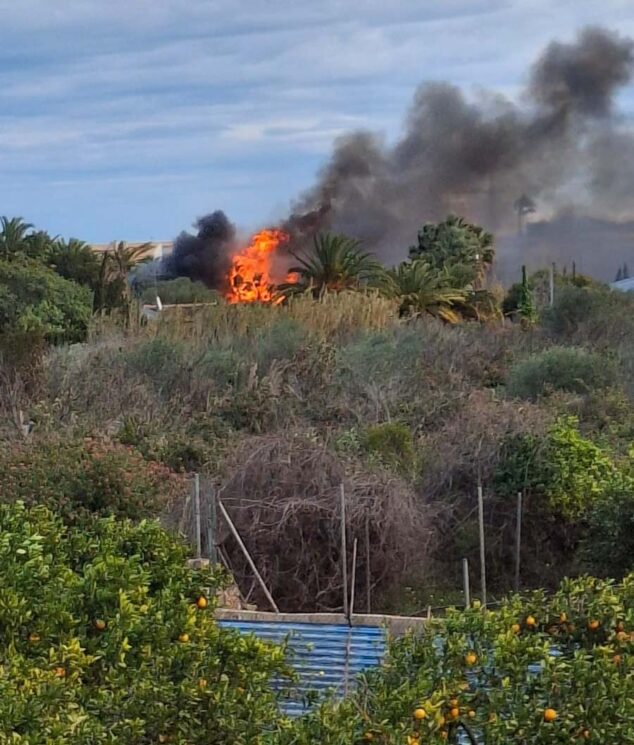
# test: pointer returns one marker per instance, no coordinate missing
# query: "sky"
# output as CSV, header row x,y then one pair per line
x,y
127,119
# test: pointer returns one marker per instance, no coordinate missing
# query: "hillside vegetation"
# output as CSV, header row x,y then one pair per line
x,y
407,388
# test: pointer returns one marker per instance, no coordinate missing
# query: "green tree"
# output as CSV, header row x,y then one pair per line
x,y
335,263
423,290
33,298
458,246
109,638
526,306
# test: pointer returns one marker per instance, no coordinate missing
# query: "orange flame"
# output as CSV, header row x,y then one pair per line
x,y
253,276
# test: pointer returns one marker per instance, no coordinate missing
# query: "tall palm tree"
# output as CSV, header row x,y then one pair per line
x,y
14,234
420,289
334,263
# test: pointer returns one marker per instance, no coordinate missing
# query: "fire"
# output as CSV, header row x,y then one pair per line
x,y
253,275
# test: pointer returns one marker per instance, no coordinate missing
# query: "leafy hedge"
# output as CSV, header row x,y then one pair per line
x,y
108,637
87,476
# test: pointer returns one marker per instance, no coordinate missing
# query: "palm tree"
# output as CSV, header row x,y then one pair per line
x,y
14,234
335,263
113,288
38,245
421,289
75,260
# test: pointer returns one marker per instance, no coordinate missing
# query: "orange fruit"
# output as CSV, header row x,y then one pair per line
x,y
563,618
516,628
586,734
550,715
34,637
60,672
455,712
621,636
593,625
571,628
471,658
617,659
444,734
202,684
472,714
420,713
368,736
441,721
530,621
100,624
620,626
183,638
453,702
202,602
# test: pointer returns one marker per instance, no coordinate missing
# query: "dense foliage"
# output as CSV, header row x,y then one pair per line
x,y
76,477
542,670
108,637
35,299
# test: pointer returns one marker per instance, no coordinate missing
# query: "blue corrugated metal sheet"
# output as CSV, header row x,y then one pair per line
x,y
323,656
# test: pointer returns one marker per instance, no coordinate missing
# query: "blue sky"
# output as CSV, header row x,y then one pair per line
x,y
126,119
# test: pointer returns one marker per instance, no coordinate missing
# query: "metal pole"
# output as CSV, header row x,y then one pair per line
x,y
199,548
552,284
212,520
354,577
483,571
518,541
344,562
247,555
368,568
465,583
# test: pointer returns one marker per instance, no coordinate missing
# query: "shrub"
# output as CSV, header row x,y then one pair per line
x,y
103,641
570,471
391,444
608,547
179,291
76,477
35,299
559,369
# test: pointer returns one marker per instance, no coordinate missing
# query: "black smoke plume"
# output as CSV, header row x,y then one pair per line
x,y
206,256
564,146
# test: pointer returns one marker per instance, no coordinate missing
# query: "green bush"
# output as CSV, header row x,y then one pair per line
x,y
79,477
566,369
105,641
391,444
179,291
608,547
35,299
570,471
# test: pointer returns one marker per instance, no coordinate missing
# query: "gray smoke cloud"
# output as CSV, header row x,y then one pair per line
x,y
562,145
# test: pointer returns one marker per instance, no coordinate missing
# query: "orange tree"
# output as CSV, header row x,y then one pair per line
x,y
538,670
108,637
